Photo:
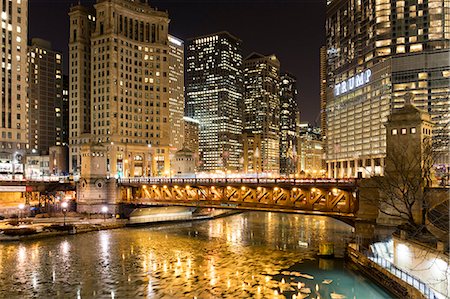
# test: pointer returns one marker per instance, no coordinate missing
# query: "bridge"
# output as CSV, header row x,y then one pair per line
x,y
331,197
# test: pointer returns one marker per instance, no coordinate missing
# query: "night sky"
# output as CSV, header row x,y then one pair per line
x,y
294,30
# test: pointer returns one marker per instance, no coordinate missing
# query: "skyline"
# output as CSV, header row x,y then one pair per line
x,y
250,24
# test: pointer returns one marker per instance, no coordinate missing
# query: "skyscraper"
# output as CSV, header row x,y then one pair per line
x,y
82,24
262,112
65,112
378,51
13,102
45,85
120,94
214,98
176,91
323,90
289,119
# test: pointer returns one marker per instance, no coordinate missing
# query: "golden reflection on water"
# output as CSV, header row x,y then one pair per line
x,y
225,258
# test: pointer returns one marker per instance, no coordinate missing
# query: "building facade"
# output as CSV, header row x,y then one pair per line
x,y
176,92
310,152
82,24
289,120
262,110
191,131
65,112
45,92
323,90
214,98
120,94
13,102
377,52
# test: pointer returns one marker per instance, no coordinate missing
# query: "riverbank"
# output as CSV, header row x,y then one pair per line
x,y
41,228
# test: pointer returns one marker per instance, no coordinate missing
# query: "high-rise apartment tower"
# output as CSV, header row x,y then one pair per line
x,y
262,113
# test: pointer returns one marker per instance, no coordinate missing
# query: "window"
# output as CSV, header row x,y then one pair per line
x,y
394,132
404,131
413,130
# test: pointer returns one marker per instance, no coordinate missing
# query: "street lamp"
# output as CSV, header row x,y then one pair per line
x,y
21,207
64,206
104,211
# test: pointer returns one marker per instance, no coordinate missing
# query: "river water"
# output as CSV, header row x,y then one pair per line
x,y
249,255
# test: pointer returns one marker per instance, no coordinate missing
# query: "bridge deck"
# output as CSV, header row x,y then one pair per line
x,y
346,184
312,196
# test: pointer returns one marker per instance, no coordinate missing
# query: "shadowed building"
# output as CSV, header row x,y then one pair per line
x,y
191,127
45,85
289,120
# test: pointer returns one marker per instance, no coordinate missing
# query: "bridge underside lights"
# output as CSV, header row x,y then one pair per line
x,y
324,198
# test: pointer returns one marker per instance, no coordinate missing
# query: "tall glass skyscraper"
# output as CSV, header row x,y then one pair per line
x,y
377,51
262,113
214,98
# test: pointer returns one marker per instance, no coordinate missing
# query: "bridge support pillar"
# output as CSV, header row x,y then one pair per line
x,y
95,190
95,193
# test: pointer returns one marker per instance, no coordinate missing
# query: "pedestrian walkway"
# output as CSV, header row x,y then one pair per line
x,y
411,280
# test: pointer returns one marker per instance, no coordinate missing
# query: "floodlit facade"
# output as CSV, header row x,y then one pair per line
x,y
377,51
120,93
289,120
45,92
82,23
214,98
176,92
13,101
262,110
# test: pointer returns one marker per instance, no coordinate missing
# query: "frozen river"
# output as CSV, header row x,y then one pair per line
x,y
250,255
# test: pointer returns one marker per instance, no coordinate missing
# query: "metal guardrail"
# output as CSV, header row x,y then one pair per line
x,y
408,278
196,181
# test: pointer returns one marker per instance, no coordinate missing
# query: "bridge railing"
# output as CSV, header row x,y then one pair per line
x,y
198,181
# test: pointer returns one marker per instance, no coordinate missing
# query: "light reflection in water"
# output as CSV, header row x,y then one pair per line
x,y
238,256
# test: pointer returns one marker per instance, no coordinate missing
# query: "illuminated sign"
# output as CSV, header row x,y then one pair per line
x,y
352,83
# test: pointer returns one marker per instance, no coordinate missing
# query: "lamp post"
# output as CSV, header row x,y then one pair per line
x,y
21,207
64,206
104,211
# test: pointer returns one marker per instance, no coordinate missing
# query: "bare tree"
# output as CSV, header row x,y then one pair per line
x,y
403,188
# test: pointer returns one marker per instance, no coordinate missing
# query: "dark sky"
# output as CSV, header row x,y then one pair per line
x,y
291,29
